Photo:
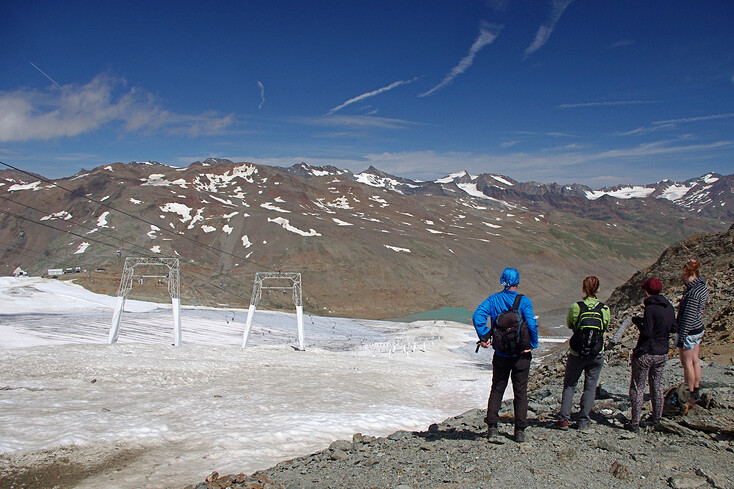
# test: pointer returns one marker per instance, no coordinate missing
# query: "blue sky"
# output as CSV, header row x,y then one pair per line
x,y
598,92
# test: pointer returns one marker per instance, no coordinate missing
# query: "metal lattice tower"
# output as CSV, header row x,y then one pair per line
x,y
292,281
126,285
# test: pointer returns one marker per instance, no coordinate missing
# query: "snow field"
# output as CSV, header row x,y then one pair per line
x,y
210,405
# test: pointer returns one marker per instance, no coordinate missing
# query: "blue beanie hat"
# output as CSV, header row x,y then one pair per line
x,y
510,277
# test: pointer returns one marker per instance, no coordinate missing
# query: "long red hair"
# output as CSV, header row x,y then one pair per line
x,y
691,268
590,286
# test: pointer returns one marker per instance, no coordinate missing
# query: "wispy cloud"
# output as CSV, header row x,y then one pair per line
x,y
572,164
354,121
262,94
695,119
621,44
608,103
487,34
644,130
371,94
77,109
545,30
575,164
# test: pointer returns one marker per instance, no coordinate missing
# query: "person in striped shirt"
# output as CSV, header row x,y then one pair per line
x,y
690,325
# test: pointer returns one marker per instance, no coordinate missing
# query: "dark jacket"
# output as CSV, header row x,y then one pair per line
x,y
655,326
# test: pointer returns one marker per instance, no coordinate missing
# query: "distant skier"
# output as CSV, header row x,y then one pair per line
x,y
690,325
513,333
588,319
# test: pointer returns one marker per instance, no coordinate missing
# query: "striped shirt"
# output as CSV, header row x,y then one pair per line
x,y
691,304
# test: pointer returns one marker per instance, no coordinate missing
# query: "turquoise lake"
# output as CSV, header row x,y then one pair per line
x,y
458,314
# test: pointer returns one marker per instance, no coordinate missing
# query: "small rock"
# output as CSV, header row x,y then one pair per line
x,y
686,481
340,455
398,435
212,477
670,426
716,480
620,471
372,461
343,445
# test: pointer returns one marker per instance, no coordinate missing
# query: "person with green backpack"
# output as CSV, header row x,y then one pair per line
x,y
588,319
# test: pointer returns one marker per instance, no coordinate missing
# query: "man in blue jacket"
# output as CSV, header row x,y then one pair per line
x,y
504,366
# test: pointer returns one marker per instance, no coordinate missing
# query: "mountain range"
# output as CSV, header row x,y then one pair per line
x,y
368,244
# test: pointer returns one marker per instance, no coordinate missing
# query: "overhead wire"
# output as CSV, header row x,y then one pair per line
x,y
66,231
133,216
100,203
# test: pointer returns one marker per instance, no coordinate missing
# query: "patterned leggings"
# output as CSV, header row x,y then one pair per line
x,y
644,367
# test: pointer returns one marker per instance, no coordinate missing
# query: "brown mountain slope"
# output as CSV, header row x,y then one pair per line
x,y
365,250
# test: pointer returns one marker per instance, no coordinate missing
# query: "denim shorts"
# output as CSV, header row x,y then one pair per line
x,y
691,340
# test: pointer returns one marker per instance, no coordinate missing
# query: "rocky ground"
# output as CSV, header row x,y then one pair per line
x,y
695,450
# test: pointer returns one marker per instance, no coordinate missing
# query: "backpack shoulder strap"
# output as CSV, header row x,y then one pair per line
x,y
582,309
516,304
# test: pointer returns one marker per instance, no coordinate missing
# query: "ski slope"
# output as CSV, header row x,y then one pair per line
x,y
210,405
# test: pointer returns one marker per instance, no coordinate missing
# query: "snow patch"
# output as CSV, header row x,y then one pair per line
x,y
285,224
25,186
271,207
181,209
395,248
82,248
57,215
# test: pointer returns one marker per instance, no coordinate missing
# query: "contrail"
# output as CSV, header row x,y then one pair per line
x,y
371,94
545,31
487,34
262,94
44,74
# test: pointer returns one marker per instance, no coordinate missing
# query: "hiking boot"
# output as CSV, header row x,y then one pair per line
x,y
493,432
649,422
520,436
582,425
633,427
561,424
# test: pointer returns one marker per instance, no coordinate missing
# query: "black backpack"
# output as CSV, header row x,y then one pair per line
x,y
588,336
510,334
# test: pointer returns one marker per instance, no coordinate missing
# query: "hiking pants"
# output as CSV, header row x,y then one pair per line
x,y
647,367
502,369
575,366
